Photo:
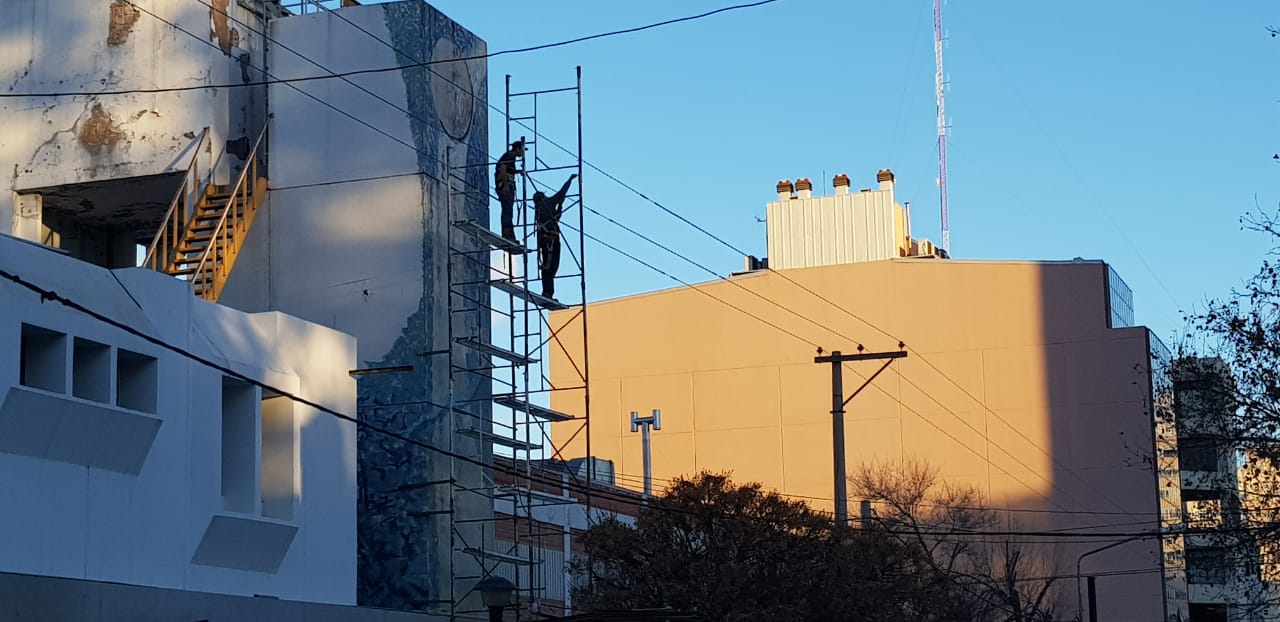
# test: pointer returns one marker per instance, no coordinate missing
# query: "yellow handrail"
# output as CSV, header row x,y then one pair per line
x,y
221,236
174,222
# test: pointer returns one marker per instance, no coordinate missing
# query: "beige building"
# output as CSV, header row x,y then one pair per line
x,y
1023,378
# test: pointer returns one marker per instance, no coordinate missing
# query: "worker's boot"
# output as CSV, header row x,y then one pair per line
x,y
510,234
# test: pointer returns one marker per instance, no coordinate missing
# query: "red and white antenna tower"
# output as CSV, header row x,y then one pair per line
x,y
940,87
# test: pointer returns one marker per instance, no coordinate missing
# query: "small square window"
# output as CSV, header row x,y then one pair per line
x,y
44,359
136,381
91,370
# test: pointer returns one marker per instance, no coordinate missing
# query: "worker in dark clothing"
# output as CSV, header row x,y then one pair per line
x,y
504,183
546,213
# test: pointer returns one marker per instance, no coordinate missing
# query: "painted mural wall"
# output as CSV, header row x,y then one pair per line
x,y
125,462
355,236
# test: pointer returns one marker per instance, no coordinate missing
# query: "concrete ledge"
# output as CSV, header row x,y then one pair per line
x,y
28,597
244,543
68,429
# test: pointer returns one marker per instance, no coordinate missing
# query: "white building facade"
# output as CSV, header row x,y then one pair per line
x,y
128,103
124,461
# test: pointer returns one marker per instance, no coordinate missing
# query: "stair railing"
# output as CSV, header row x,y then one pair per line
x,y
174,224
240,209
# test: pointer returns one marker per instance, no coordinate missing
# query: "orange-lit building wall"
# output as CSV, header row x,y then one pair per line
x,y
1014,383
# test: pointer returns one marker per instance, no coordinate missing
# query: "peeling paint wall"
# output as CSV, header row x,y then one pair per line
x,y
90,46
355,237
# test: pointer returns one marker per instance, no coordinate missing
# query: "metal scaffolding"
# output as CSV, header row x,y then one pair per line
x,y
499,317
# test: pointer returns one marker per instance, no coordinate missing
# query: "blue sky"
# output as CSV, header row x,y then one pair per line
x,y
1129,132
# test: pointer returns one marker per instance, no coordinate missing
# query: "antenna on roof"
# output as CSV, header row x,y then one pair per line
x,y
939,85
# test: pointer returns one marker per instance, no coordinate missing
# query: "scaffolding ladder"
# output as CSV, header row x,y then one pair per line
x,y
496,318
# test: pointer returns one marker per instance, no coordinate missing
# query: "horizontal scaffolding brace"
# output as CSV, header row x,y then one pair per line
x,y
515,403
525,294
498,439
567,167
513,559
492,350
545,91
492,239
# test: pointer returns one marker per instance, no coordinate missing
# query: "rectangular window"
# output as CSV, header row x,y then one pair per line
x,y
136,385
239,446
1206,566
91,370
43,359
1203,513
1198,454
279,456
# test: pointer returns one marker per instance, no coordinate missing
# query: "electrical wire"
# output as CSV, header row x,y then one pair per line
x,y
725,243
401,67
47,295
616,180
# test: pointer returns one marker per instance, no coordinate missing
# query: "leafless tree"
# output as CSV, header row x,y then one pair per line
x,y
1001,579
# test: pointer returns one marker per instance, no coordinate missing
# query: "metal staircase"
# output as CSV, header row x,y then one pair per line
x,y
206,224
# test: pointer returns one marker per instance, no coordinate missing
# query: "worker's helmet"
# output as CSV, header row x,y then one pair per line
x,y
539,196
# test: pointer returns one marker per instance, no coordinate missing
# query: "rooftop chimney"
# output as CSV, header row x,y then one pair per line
x,y
804,188
785,189
841,183
885,177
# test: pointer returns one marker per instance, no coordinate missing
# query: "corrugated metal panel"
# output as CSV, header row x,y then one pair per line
x,y
551,576
836,229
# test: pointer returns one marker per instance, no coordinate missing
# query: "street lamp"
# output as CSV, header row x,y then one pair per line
x,y
1093,614
495,593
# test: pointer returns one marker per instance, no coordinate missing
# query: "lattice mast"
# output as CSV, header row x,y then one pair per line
x,y
940,96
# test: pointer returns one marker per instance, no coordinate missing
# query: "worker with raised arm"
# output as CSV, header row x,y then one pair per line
x,y
504,183
546,213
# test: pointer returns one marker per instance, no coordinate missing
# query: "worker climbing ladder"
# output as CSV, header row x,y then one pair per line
x,y
500,334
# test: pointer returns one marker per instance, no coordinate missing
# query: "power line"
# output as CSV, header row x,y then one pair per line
x,y
414,65
926,420
725,243
50,295
677,215
599,170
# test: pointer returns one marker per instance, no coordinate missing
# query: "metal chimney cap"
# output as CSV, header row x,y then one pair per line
x,y
840,180
785,186
884,175
804,184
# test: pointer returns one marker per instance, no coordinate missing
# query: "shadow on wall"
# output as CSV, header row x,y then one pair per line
x,y
1099,393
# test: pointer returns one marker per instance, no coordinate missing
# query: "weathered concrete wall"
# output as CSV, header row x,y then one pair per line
x,y
86,493
355,237
24,597
102,45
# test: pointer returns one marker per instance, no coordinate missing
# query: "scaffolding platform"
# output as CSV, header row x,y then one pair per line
x,y
525,294
498,439
494,240
492,350
515,403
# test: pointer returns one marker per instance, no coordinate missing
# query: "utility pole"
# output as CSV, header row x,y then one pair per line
x,y
838,402
643,425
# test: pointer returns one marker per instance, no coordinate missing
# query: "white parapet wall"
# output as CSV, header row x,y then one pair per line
x,y
124,461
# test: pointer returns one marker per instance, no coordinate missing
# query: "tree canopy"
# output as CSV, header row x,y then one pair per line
x,y
734,552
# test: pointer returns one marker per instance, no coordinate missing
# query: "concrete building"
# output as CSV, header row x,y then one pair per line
x,y
139,481
320,198
1227,575
1026,379
539,520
